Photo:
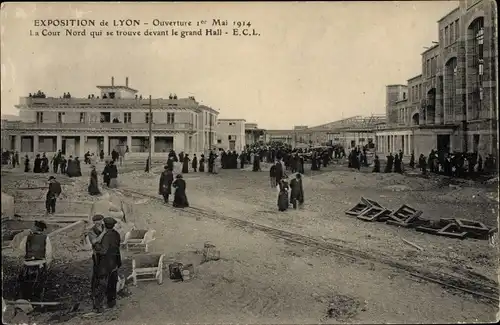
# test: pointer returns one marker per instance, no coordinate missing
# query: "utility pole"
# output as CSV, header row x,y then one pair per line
x,y
210,133
150,120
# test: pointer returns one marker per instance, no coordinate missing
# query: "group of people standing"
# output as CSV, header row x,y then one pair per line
x,y
70,167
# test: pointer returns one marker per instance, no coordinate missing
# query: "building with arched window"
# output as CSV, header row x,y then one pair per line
x,y
452,105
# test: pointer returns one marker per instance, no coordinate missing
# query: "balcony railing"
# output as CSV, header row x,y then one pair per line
x,y
106,102
101,126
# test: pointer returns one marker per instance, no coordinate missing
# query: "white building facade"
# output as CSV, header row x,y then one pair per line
x,y
231,134
116,119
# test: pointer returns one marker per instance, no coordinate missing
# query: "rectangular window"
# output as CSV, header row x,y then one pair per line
x,y
457,30
147,118
60,117
452,32
82,118
428,68
446,36
170,118
127,117
219,141
39,117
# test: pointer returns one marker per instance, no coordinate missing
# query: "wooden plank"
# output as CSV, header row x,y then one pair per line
x,y
412,244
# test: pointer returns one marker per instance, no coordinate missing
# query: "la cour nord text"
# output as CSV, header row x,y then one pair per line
x,y
135,27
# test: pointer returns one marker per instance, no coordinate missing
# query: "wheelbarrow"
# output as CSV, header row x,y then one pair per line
x,y
139,239
147,267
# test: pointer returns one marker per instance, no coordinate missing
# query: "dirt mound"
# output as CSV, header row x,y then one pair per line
x,y
342,307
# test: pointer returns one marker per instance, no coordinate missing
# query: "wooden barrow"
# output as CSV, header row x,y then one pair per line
x,y
139,239
147,267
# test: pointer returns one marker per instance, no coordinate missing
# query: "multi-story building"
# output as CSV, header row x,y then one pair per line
x,y
458,105
253,134
231,134
116,119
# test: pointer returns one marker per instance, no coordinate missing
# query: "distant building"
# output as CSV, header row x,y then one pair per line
x,y
253,134
231,134
452,106
115,119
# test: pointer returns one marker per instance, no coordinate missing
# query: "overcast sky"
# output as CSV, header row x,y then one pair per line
x,y
313,63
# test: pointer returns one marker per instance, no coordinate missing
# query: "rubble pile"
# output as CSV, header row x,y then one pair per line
x,y
408,217
70,245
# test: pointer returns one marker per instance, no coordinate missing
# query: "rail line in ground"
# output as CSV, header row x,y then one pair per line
x,y
474,288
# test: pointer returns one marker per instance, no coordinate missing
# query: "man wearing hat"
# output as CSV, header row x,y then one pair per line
x,y
108,262
37,253
95,235
52,195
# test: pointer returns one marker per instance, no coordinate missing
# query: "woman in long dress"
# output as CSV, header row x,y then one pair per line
x,y
180,198
202,164
93,185
217,163
283,188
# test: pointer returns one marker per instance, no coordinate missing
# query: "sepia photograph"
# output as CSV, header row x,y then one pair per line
x,y
249,162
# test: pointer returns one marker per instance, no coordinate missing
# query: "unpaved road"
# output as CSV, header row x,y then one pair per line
x,y
263,280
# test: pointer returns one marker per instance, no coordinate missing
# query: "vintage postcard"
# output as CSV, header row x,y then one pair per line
x,y
249,162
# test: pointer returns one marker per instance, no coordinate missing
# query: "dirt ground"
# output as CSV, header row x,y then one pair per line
x,y
260,279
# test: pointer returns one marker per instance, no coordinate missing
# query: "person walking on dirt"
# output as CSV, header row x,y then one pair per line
x,y
52,195
180,197
108,262
166,180
296,191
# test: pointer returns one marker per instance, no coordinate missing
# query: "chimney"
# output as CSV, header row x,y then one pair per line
x,y
112,81
126,82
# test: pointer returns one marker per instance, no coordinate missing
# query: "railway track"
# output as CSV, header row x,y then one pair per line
x,y
477,289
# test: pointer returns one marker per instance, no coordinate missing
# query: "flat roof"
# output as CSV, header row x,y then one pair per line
x,y
119,87
448,14
396,85
430,49
231,119
412,78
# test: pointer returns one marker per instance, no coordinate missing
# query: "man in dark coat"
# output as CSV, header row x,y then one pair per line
x,y
63,163
185,164
412,160
390,161
397,164
45,163
166,180
194,163
170,162
180,198
37,166
211,160
108,262
272,175
202,163
26,164
113,174
95,235
278,171
296,191
52,195
105,174
376,165
115,155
